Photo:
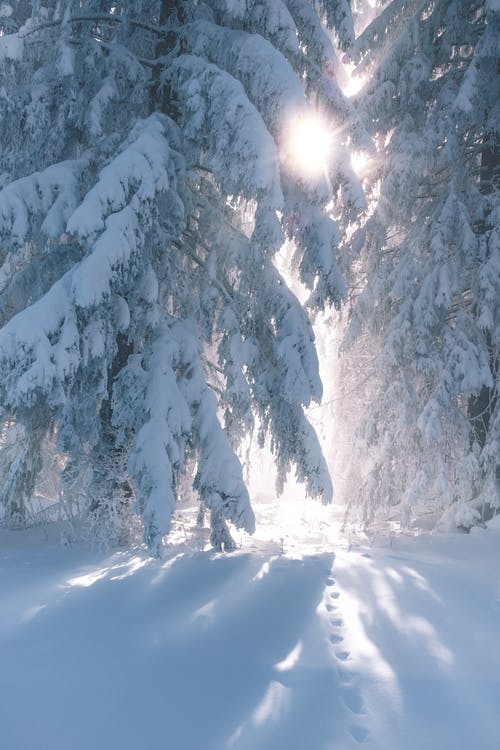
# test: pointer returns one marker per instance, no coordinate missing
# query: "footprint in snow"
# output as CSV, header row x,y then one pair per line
x,y
353,700
330,581
337,622
334,594
342,655
334,638
359,733
345,678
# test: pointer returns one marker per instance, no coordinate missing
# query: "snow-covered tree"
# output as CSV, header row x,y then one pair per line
x,y
147,183
427,321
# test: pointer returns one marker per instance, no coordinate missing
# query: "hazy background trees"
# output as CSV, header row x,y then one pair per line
x,y
426,323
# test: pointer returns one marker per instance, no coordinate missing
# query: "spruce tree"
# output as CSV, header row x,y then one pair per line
x,y
427,259
146,188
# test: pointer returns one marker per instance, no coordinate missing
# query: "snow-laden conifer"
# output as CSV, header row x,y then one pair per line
x,y
427,320
146,190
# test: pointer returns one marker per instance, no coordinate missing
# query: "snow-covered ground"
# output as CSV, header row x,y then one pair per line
x,y
297,641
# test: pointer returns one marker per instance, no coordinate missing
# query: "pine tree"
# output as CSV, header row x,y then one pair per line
x,y
146,188
427,257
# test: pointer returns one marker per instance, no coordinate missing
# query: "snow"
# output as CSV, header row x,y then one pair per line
x,y
239,148
141,167
299,639
51,191
11,47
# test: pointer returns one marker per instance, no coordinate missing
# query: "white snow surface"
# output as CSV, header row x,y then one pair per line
x,y
300,640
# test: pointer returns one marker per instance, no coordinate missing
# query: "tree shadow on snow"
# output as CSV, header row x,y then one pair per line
x,y
202,651
411,628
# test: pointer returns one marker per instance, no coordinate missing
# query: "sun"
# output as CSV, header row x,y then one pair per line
x,y
308,145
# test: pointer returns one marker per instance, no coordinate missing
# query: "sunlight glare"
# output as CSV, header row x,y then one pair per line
x,y
360,162
130,567
353,83
272,705
291,659
264,569
309,144
32,612
205,613
89,579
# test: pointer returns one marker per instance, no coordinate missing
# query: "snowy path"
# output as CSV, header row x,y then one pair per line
x,y
390,649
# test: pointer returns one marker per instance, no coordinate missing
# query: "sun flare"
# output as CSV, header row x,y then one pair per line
x,y
352,83
360,163
308,145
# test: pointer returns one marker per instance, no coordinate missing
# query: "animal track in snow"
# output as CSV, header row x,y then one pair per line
x,y
334,638
352,699
345,677
342,655
359,733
